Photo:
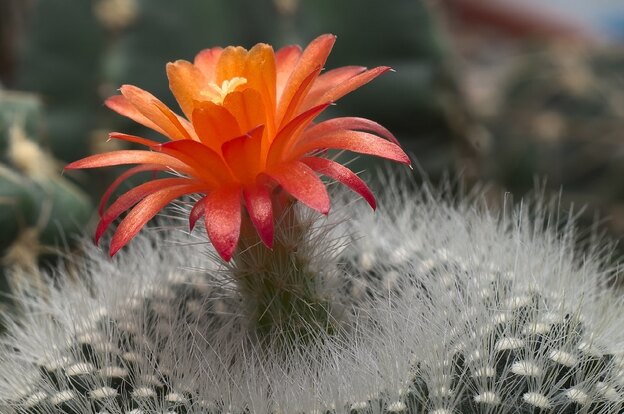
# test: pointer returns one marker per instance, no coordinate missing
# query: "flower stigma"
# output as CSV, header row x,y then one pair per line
x,y
217,94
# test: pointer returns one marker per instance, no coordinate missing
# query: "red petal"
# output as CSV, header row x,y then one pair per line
x,y
361,142
223,220
131,197
287,135
144,211
340,90
342,174
134,139
350,123
197,212
260,209
302,183
331,79
207,164
124,157
125,175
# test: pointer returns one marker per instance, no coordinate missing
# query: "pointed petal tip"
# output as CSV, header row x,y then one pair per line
x,y
324,210
98,235
266,235
226,256
75,165
373,204
225,252
113,249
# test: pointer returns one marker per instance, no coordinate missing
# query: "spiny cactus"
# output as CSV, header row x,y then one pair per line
x,y
446,308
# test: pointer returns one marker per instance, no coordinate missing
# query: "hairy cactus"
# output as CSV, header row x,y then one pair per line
x,y
437,307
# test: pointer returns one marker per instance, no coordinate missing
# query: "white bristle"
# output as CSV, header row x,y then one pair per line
x,y
422,298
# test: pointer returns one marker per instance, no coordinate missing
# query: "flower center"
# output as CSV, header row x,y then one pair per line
x,y
218,93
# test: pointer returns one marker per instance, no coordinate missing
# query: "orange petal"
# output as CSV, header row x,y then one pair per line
x,y
342,174
260,75
242,155
285,60
133,196
231,63
186,82
125,157
214,125
350,123
340,90
278,151
361,142
122,106
152,108
247,107
206,62
314,56
144,211
206,164
301,182
331,79
260,210
223,220
124,176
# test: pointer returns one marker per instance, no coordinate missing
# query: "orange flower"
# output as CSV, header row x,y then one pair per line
x,y
248,128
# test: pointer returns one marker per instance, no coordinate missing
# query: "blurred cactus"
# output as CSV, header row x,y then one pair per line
x,y
40,211
62,64
559,115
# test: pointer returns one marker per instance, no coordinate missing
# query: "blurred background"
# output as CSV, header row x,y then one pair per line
x,y
505,93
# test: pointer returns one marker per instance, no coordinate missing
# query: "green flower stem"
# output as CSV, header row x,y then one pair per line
x,y
284,295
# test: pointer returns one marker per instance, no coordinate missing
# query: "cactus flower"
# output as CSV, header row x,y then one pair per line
x,y
247,129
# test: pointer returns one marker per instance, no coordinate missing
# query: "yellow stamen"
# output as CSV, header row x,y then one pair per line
x,y
218,93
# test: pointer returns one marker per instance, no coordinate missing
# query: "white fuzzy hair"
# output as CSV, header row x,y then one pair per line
x,y
450,308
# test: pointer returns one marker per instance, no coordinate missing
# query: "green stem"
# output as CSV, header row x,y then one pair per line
x,y
285,297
